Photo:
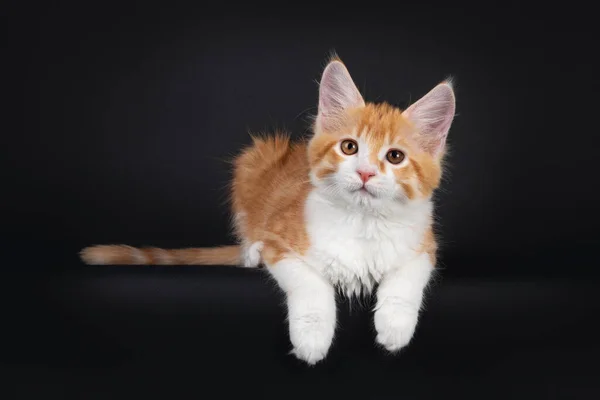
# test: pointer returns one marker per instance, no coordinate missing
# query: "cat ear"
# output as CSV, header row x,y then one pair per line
x,y
432,115
337,93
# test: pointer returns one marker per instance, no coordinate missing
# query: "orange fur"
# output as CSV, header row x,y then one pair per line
x,y
271,183
429,246
270,186
127,255
380,124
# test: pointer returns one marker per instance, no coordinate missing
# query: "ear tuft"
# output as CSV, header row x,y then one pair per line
x,y
333,56
432,115
337,94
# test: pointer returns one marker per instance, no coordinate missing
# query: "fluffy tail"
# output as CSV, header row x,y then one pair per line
x,y
127,255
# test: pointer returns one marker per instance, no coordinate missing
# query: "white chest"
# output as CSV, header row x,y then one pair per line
x,y
353,250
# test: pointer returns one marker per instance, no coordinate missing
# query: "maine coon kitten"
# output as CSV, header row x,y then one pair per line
x,y
350,209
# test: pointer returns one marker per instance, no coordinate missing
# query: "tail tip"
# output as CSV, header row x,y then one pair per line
x,y
94,255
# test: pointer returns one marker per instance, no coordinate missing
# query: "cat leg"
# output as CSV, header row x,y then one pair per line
x,y
311,308
399,300
251,251
251,254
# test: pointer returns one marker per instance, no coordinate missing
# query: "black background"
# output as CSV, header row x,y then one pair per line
x,y
118,129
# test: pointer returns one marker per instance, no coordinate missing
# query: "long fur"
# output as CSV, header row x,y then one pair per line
x,y
323,220
128,255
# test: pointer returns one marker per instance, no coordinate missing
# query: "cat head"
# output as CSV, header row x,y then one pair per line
x,y
376,154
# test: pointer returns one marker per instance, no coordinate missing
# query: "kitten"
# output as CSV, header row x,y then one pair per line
x,y
348,210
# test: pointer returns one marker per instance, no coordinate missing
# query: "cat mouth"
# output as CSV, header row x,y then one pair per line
x,y
365,191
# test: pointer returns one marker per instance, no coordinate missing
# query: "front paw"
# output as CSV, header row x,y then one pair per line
x,y
311,335
395,325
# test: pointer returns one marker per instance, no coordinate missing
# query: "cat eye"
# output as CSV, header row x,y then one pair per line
x,y
395,156
349,147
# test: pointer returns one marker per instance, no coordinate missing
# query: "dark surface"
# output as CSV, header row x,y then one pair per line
x,y
120,125
179,331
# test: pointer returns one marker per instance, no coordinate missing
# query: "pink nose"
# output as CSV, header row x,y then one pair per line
x,y
365,176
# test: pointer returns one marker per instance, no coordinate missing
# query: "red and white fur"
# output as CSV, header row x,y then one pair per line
x,y
349,210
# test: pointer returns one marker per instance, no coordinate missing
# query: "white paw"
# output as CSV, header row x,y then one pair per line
x,y
395,325
311,335
252,255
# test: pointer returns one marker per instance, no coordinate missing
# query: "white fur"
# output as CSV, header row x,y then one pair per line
x,y
399,300
251,254
358,240
354,249
311,308
386,199
362,236
251,251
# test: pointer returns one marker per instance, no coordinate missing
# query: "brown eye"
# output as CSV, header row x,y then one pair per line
x,y
349,147
395,156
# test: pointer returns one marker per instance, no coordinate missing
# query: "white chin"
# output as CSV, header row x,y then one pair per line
x,y
363,196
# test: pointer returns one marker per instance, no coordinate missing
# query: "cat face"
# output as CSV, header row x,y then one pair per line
x,y
375,154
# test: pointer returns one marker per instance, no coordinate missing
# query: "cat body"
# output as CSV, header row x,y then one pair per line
x,y
349,210
347,245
